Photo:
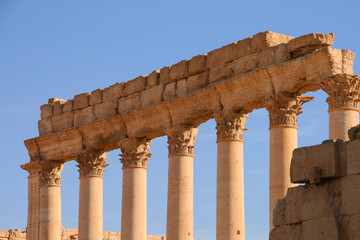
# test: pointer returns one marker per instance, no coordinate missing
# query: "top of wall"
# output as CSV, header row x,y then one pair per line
x,y
240,75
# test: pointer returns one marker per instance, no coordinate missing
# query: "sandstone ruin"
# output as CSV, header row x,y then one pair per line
x,y
267,70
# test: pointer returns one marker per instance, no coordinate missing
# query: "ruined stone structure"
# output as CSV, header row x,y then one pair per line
x,y
328,205
66,234
267,70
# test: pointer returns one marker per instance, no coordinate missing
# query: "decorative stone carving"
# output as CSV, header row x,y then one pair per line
x,y
91,162
181,140
343,91
135,152
50,174
284,108
231,126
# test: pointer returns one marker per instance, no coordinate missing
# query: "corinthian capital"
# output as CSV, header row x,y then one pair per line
x,y
284,108
181,140
135,152
91,162
50,174
33,168
230,126
343,91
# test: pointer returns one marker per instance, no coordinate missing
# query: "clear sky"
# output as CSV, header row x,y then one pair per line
x,y
63,48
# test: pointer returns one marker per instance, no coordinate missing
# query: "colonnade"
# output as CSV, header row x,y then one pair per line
x,y
44,182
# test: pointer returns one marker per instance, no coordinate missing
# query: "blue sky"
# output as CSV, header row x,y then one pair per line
x,y
62,48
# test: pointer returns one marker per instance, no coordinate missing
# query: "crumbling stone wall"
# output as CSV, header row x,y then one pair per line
x,y
67,234
328,205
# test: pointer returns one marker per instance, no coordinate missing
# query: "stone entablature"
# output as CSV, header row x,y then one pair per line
x,y
241,75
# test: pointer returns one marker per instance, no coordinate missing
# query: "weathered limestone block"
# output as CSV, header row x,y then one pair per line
x,y
96,97
352,227
170,91
348,61
46,110
136,85
322,228
220,56
329,157
115,91
63,121
309,202
273,55
165,75
68,106
45,126
220,72
58,107
197,64
81,101
181,88
33,149
106,109
267,39
192,110
104,134
353,160
305,44
257,85
153,78
198,81
152,95
129,103
351,194
84,116
158,119
60,146
287,232
245,64
179,70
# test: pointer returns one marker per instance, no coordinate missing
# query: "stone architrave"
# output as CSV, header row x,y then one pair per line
x,y
181,142
343,101
50,200
134,157
230,212
283,111
33,218
91,163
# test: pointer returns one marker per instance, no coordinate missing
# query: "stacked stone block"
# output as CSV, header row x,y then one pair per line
x,y
327,206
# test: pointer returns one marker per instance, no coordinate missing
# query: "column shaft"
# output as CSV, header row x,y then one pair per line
x,y
340,121
180,198
134,157
133,215
91,208
230,214
91,163
283,141
50,213
33,220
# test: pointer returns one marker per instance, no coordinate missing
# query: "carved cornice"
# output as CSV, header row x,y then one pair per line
x,y
181,140
230,126
91,162
284,108
33,167
343,91
50,174
135,152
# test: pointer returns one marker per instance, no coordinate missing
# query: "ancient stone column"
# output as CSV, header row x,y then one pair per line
x,y
33,218
91,165
230,214
283,111
179,225
134,157
50,200
343,101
